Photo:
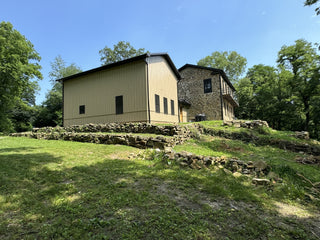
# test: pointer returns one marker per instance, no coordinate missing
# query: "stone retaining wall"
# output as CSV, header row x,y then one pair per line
x,y
90,133
262,141
166,130
122,139
257,168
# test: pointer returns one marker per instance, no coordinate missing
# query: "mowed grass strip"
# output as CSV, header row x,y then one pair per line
x,y
69,190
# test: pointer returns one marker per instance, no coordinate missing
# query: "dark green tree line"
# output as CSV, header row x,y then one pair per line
x,y
287,96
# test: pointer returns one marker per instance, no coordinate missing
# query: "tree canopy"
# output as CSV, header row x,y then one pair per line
x,y
288,97
19,70
232,63
302,60
121,51
312,2
50,112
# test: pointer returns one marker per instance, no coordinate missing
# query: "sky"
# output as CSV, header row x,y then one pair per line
x,y
187,30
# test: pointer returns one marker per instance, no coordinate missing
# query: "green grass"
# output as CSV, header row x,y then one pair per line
x,y
70,190
265,133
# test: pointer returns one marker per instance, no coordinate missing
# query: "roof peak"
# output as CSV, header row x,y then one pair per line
x,y
213,70
128,60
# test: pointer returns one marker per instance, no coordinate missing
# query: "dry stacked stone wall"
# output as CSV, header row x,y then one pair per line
x,y
115,133
167,135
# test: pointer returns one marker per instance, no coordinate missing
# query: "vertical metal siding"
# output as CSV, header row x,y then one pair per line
x,y
163,82
97,91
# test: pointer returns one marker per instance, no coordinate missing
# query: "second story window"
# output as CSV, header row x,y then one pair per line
x,y
207,86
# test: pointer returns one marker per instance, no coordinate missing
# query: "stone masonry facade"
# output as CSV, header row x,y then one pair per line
x,y
191,89
213,103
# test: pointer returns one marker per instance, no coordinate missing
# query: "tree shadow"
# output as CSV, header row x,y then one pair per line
x,y
125,199
18,149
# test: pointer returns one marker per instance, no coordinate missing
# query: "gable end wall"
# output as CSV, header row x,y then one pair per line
x,y
190,88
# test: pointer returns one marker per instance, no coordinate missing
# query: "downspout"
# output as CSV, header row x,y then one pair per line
x,y
148,94
221,101
62,103
178,100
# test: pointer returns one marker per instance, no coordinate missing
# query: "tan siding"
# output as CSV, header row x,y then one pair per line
x,y
228,109
97,91
163,82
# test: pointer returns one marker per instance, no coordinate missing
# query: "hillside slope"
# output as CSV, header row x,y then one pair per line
x,y
72,190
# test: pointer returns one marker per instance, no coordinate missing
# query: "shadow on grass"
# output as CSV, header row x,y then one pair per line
x,y
19,149
125,199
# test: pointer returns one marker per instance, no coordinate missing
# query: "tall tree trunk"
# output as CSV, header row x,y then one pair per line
x,y
307,112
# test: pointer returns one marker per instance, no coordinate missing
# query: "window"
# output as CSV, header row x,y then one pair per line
x,y
172,107
119,104
207,85
165,105
82,109
157,102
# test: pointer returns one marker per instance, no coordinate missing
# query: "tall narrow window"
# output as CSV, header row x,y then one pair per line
x,y
157,102
207,86
172,107
119,104
165,105
82,109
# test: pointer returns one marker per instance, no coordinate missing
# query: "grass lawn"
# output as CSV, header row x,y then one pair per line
x,y
70,190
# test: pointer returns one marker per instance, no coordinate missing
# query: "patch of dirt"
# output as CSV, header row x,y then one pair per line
x,y
197,199
310,219
295,211
120,155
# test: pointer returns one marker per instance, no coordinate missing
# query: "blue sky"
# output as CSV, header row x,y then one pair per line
x,y
186,29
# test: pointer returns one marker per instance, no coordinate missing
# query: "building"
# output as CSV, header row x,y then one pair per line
x,y
139,89
205,90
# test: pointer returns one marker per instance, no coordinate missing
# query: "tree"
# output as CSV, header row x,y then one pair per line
x,y
302,61
232,63
121,51
50,113
264,94
311,2
18,66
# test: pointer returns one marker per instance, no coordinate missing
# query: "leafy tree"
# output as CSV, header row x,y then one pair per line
x,y
121,51
232,63
18,66
22,116
271,98
23,112
311,2
302,61
50,112
245,95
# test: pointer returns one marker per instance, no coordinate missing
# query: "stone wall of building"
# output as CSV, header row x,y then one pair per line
x,y
191,89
